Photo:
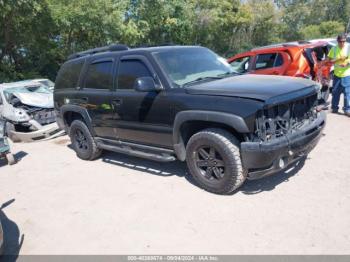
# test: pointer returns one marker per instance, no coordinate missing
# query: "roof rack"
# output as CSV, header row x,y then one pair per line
x,y
113,47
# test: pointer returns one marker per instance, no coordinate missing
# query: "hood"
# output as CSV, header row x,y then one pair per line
x,y
44,100
268,89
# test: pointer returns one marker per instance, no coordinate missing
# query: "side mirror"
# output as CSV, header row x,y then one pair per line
x,y
146,84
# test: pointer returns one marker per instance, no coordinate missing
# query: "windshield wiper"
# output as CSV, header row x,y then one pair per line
x,y
202,79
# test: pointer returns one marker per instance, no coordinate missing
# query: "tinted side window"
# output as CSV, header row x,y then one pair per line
x,y
265,61
68,75
99,75
129,71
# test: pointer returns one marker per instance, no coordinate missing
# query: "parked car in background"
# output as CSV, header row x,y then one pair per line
x,y
186,103
298,59
28,108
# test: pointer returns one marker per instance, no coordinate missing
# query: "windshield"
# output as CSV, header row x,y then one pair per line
x,y
26,89
187,65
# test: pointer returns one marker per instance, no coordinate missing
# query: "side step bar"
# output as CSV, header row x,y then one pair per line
x,y
148,152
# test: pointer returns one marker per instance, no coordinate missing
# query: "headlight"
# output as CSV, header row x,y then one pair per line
x,y
21,115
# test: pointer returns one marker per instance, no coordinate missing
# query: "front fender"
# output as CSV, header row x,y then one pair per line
x,y
236,122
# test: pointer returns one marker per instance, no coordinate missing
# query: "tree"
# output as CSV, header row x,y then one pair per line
x,y
298,15
324,30
162,21
89,23
26,29
36,36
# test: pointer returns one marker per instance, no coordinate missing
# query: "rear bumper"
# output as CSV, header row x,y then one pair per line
x,y
266,158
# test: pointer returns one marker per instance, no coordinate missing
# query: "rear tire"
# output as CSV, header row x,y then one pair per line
x,y
83,143
213,159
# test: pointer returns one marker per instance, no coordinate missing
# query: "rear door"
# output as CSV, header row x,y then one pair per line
x,y
275,63
95,95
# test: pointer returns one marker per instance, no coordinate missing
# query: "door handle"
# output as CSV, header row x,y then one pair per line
x,y
84,99
117,102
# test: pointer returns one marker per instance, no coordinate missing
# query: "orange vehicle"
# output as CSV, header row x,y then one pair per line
x,y
299,59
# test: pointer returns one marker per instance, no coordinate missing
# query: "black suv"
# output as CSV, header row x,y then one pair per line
x,y
185,102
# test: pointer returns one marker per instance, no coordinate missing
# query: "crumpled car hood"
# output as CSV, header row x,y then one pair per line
x,y
36,99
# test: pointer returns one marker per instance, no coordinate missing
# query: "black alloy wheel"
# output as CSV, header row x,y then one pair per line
x,y
83,142
210,163
80,140
213,159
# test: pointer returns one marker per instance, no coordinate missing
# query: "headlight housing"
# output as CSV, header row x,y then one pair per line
x,y
21,115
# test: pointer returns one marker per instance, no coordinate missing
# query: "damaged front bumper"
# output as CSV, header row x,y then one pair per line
x,y
266,158
48,131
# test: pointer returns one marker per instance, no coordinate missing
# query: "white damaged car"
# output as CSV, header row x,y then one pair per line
x,y
28,108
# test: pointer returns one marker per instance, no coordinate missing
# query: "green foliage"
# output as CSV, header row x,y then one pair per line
x,y
324,30
297,15
37,35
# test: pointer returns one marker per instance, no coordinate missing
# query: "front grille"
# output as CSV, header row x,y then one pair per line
x,y
44,116
279,120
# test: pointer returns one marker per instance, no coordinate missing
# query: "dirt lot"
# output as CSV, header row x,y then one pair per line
x,y
122,205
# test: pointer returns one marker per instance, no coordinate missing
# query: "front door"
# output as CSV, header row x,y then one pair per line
x,y
140,117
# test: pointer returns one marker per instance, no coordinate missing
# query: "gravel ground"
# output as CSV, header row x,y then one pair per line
x,y
55,203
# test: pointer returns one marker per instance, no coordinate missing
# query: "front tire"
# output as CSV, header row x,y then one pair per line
x,y
213,159
83,143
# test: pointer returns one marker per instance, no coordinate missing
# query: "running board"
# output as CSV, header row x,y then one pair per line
x,y
152,153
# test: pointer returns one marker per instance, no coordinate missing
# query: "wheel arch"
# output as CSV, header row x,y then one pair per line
x,y
70,113
190,122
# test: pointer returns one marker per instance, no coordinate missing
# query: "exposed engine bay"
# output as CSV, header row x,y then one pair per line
x,y
28,108
283,119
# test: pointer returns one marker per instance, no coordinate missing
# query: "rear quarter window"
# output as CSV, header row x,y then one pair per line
x,y
68,76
